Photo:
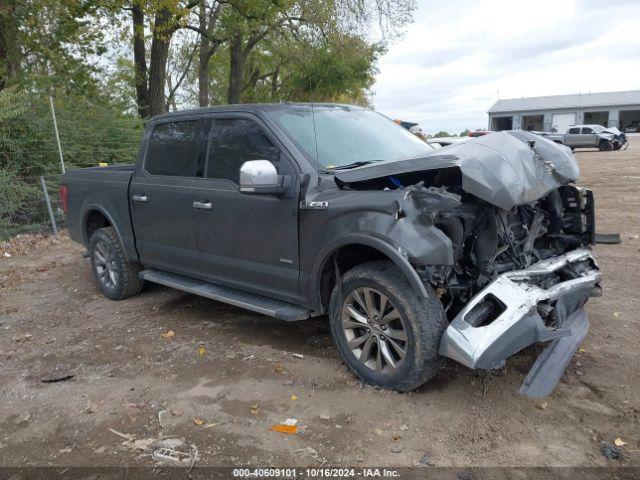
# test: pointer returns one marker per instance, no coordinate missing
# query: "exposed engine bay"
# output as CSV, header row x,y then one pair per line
x,y
488,241
484,213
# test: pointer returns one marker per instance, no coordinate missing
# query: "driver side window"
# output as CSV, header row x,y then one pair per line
x,y
233,141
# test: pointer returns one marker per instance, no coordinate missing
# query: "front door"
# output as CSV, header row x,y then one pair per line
x,y
246,241
160,197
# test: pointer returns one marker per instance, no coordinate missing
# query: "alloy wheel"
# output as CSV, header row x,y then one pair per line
x,y
106,265
374,329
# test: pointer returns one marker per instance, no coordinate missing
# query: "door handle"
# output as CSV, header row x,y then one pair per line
x,y
139,198
202,205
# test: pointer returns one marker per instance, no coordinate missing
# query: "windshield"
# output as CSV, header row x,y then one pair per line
x,y
335,136
597,128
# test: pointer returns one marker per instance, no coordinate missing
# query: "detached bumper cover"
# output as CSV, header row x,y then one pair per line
x,y
520,324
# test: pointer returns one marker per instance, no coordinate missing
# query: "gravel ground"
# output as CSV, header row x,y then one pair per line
x,y
227,375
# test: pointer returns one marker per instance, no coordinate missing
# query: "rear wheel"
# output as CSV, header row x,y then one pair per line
x,y
115,276
387,335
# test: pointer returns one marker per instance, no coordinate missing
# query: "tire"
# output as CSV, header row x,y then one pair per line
x,y
422,320
605,146
115,277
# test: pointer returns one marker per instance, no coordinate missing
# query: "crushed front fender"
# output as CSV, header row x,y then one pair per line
x,y
517,298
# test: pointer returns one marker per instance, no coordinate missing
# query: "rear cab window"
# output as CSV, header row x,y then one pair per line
x,y
173,149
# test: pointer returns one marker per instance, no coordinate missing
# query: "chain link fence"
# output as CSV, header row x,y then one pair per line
x,y
23,204
31,151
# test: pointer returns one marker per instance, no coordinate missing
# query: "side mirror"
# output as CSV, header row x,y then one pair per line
x,y
261,177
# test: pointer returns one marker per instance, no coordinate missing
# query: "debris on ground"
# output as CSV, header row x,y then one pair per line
x,y
294,398
426,460
254,409
174,449
278,367
249,357
58,379
141,444
404,428
176,412
289,426
92,407
611,452
298,355
126,436
22,338
309,451
162,454
608,238
619,442
198,421
325,416
542,405
24,418
201,350
169,334
396,448
161,418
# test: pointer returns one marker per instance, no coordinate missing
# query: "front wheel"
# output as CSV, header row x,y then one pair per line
x,y
385,332
605,146
115,276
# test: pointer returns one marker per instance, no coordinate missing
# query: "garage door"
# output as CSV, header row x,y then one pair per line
x,y
562,121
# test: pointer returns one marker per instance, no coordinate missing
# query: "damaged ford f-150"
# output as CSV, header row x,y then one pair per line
x,y
472,252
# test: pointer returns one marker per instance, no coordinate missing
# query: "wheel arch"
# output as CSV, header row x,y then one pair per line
x,y
350,251
95,217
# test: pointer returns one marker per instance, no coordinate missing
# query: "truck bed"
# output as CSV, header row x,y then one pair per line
x,y
104,190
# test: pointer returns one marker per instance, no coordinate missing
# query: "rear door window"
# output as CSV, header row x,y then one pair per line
x,y
233,141
574,130
173,149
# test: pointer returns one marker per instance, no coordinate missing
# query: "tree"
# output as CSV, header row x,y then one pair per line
x,y
464,133
441,134
168,16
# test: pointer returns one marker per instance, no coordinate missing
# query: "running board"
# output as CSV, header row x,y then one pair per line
x,y
250,301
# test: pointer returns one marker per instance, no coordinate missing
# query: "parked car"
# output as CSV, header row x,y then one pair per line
x,y
439,142
479,133
589,136
631,129
298,210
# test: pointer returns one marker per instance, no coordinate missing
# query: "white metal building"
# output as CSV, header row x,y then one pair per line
x,y
610,109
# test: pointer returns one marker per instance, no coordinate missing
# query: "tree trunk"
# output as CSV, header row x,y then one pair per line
x,y
236,68
9,51
140,61
162,34
203,59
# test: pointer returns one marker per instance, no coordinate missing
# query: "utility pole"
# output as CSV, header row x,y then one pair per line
x,y
55,127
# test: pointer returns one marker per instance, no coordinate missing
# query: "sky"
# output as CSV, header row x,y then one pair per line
x,y
459,57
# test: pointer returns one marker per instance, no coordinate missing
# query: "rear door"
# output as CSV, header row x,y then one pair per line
x,y
573,137
160,196
246,241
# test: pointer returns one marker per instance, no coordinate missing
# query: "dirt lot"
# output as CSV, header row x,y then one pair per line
x,y
235,373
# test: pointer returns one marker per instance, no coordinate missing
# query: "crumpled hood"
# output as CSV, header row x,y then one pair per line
x,y
500,168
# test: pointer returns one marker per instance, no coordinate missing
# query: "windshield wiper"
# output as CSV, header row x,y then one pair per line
x,y
349,166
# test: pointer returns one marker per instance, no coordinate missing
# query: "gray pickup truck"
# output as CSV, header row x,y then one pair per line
x,y
472,252
589,136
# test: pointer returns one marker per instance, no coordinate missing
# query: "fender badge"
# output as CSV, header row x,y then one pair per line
x,y
314,205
